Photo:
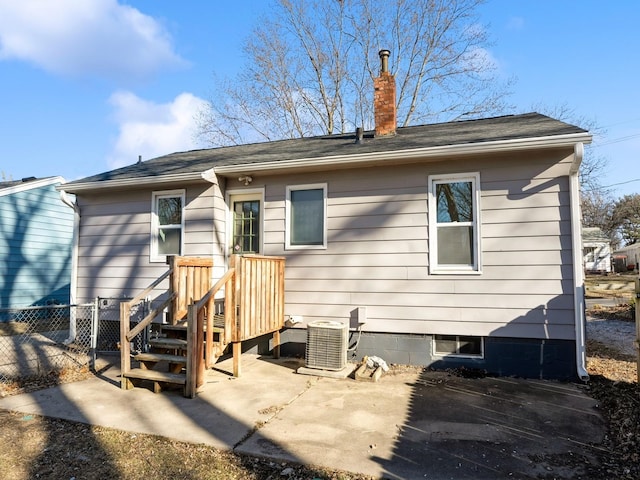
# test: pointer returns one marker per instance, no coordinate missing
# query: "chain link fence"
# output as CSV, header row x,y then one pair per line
x,y
38,341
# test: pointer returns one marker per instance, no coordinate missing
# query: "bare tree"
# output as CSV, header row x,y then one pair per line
x,y
310,65
626,215
593,165
598,211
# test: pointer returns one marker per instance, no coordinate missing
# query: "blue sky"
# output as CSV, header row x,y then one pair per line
x,y
87,86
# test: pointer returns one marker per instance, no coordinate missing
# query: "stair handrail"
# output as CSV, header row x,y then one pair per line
x,y
199,355
149,318
126,334
216,288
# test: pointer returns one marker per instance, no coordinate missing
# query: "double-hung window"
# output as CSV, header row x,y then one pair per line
x,y
306,216
454,236
167,224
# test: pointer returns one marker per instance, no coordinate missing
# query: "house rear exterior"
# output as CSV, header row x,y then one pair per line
x,y
461,240
454,244
36,232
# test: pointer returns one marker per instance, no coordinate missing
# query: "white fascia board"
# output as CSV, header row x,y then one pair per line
x,y
21,187
132,182
428,152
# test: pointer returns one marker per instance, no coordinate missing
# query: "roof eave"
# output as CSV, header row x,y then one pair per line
x,y
556,141
131,182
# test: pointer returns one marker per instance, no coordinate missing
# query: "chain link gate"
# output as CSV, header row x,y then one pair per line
x,y
107,331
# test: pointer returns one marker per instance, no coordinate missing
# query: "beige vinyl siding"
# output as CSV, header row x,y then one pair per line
x,y
377,253
114,239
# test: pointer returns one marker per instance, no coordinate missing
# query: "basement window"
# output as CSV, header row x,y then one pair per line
x,y
458,346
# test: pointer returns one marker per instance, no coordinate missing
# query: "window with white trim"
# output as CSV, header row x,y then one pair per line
x,y
306,216
458,346
454,237
167,224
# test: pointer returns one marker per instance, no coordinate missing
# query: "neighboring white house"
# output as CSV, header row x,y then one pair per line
x,y
596,250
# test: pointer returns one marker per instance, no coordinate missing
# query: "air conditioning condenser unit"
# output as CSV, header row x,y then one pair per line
x,y
327,343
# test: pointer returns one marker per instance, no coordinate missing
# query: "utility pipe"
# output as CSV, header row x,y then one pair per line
x,y
74,265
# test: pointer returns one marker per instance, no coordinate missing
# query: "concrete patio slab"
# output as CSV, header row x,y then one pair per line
x,y
410,424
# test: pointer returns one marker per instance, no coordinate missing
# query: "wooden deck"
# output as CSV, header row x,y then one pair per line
x,y
196,334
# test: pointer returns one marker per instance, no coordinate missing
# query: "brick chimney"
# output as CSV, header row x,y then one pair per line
x,y
384,98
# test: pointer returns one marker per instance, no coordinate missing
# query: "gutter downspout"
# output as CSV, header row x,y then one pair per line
x,y
578,272
220,237
74,264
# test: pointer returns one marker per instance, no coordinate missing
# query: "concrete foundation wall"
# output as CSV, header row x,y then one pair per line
x,y
526,358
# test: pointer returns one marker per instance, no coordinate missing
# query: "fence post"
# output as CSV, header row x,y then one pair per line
x,y
637,308
208,338
125,346
93,336
200,348
192,348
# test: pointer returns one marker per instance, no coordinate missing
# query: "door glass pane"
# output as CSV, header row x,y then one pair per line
x,y
246,226
307,217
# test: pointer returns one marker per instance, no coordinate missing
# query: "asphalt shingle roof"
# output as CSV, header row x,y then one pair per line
x,y
14,183
510,127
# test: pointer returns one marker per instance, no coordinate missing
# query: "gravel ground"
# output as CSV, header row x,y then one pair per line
x,y
618,333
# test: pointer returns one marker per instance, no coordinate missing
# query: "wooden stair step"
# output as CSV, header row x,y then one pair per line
x,y
156,376
182,327
160,357
176,343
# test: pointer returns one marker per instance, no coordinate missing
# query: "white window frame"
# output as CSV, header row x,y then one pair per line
x,y
288,218
445,269
458,355
154,256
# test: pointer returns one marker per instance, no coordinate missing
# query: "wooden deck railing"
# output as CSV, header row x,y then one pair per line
x,y
190,279
260,295
254,306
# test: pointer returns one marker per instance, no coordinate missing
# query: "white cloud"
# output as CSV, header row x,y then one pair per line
x,y
515,23
84,37
150,129
481,60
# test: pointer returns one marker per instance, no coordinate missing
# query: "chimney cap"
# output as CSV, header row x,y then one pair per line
x,y
384,60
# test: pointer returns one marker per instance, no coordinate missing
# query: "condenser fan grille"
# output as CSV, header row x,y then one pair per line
x,y
327,345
